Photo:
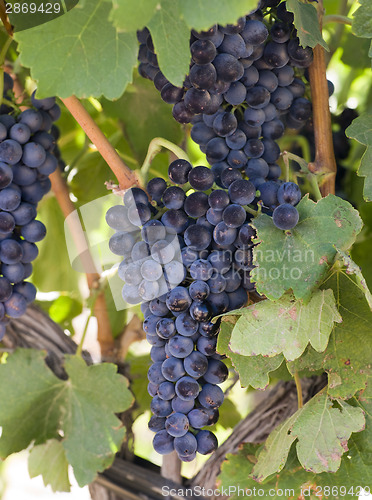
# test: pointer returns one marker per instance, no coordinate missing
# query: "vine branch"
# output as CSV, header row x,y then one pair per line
x,y
123,173
325,162
62,195
4,18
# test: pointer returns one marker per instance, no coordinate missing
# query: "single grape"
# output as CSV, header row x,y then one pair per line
x,y
285,216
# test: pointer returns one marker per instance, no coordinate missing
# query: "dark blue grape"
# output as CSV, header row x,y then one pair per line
x,y
285,216
206,442
156,423
211,396
15,306
163,443
289,192
177,425
187,388
166,391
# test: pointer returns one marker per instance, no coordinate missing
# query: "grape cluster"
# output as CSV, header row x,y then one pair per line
x,y
187,259
245,86
26,161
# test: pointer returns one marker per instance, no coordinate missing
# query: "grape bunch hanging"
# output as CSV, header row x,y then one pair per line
x,y
186,259
245,86
28,155
187,252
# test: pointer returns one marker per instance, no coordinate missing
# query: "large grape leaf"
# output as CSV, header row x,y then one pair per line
x,y
202,14
347,358
49,460
307,24
80,53
361,131
285,326
300,258
41,407
132,15
252,370
322,432
171,37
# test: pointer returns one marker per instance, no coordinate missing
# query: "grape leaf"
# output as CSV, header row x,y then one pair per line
x,y
136,110
171,37
293,482
49,460
202,14
362,20
76,53
352,268
285,326
132,15
306,23
299,259
274,454
252,370
321,431
354,471
347,361
361,131
41,407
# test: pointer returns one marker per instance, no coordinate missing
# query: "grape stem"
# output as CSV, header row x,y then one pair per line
x,y
335,18
299,390
79,349
125,176
4,18
312,178
155,147
325,162
105,337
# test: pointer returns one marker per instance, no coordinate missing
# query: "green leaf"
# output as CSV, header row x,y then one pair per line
x,y
202,14
132,15
82,409
293,480
63,278
352,268
229,415
75,53
322,432
171,37
285,326
64,309
136,110
362,21
361,131
355,51
300,258
365,170
49,460
273,456
347,361
307,24
252,370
